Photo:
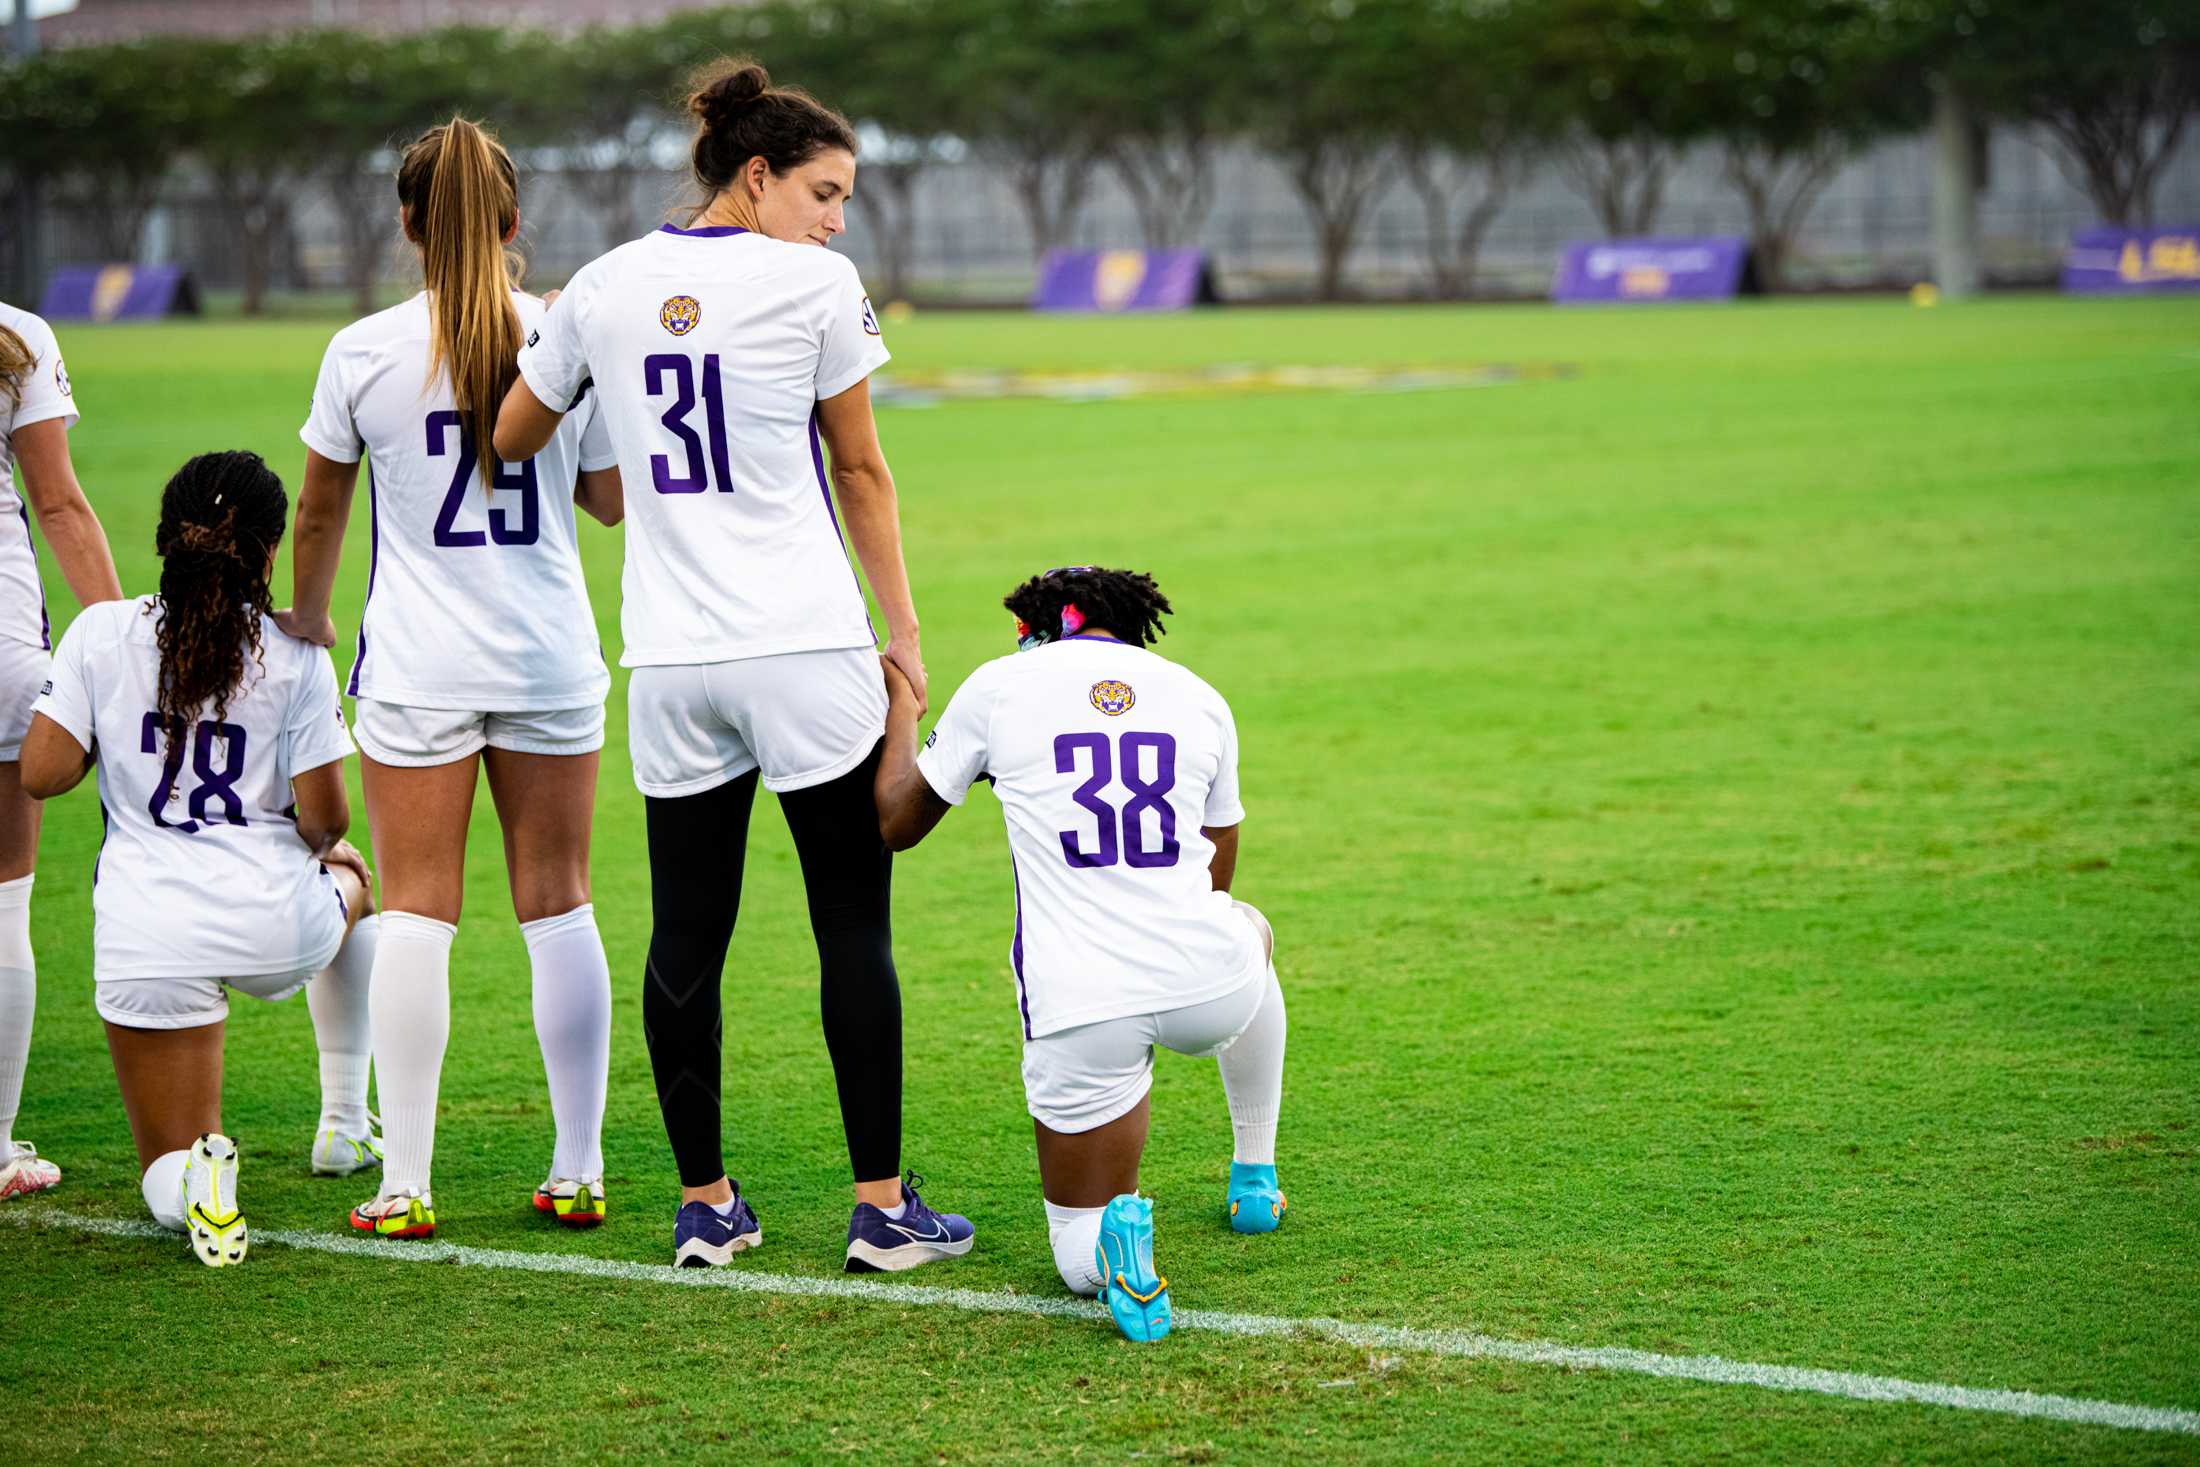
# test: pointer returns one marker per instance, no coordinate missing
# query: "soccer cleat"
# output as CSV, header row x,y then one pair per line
x,y
210,1211
1254,1202
703,1238
576,1204
881,1244
407,1213
1135,1293
338,1155
27,1172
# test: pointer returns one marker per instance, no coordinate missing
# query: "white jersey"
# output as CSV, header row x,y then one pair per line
x,y
710,350
475,600
202,873
1107,761
44,393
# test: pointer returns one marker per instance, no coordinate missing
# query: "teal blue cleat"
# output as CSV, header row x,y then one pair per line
x,y
1136,1295
1255,1203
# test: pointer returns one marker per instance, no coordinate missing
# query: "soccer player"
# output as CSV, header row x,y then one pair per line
x,y
37,408
1117,775
477,647
721,353
220,745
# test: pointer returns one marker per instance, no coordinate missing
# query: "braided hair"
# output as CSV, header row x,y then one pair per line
x,y
1127,603
221,518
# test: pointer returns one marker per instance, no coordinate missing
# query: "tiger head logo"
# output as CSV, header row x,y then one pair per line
x,y
680,314
1113,698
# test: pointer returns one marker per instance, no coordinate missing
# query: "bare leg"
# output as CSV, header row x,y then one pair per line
x,y
1089,1167
171,1083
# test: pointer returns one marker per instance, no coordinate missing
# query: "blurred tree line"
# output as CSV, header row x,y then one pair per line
x,y
1455,100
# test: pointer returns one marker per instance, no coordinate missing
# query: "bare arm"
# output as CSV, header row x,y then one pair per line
x,y
866,492
53,762
908,806
524,425
602,494
1223,868
324,809
324,508
64,515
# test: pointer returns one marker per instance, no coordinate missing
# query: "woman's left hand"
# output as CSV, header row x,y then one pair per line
x,y
908,659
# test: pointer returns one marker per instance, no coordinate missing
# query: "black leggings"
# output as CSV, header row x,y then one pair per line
x,y
697,844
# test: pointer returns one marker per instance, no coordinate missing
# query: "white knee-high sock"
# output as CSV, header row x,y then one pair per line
x,y
1252,1077
162,1188
1075,1233
18,1003
409,998
344,1030
573,1026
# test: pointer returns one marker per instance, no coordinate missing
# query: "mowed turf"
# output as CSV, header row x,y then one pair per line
x,y
1732,819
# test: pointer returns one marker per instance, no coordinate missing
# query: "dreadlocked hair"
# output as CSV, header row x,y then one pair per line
x,y
220,518
1127,603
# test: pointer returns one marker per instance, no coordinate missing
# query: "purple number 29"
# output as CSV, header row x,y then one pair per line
x,y
1146,794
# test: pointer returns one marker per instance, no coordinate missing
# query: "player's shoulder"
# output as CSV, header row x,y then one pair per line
x,y
1184,680
106,623
406,320
278,645
32,327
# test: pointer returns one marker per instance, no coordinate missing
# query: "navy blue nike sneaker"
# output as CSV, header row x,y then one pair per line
x,y
702,1238
881,1244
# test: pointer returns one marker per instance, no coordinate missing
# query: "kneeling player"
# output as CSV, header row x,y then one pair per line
x,y
1117,775
220,743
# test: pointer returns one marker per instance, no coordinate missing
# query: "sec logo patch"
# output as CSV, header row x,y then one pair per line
x,y
680,314
61,377
1113,698
870,318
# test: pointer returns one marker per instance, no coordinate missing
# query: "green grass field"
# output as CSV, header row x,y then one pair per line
x,y
1731,814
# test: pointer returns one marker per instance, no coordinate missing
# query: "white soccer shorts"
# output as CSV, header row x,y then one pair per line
x,y
415,738
23,670
803,718
1080,1079
190,1003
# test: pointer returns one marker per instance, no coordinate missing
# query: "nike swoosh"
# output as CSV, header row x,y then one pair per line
x,y
937,1235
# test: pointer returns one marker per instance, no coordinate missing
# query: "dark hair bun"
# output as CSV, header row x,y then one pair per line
x,y
727,90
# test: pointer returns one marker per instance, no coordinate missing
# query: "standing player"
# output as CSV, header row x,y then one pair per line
x,y
37,408
220,745
721,353
477,647
1117,776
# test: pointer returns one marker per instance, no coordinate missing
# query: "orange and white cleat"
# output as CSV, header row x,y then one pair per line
x,y
576,1204
27,1172
408,1213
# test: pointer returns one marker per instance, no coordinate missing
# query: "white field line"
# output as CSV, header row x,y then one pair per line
x,y
1461,1344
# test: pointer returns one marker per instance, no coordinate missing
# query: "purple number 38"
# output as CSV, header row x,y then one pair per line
x,y
1146,794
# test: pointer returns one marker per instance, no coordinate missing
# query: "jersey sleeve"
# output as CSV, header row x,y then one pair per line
x,y
956,751
1223,806
596,450
68,698
330,430
553,362
852,348
314,734
46,392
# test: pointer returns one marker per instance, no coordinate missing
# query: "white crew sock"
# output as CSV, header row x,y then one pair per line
x,y
343,1030
1252,1077
573,1026
409,997
18,1003
162,1187
897,1212
1075,1233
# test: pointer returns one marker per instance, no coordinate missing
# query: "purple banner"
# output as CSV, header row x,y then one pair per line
x,y
1123,280
1711,268
118,293
2129,260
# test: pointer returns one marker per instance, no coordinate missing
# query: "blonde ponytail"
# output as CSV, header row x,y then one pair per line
x,y
16,362
460,195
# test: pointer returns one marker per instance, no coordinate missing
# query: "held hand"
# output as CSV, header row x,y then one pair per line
x,y
550,297
347,856
320,630
904,657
